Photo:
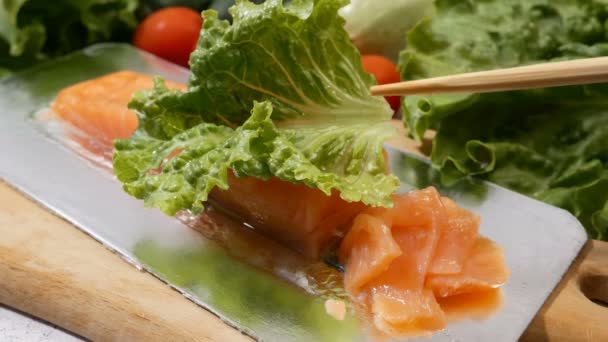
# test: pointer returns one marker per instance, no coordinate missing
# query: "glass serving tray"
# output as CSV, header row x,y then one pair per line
x,y
227,268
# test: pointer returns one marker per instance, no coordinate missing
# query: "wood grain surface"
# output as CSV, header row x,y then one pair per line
x,y
578,308
50,269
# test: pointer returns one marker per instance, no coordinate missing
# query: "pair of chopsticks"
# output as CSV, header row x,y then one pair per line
x,y
555,74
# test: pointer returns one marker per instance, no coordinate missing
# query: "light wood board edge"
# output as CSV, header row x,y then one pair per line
x,y
569,314
52,270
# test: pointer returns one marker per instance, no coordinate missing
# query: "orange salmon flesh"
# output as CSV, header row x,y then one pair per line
x,y
98,107
403,263
410,268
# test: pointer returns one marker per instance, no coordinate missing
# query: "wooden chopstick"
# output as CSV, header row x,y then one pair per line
x,y
580,71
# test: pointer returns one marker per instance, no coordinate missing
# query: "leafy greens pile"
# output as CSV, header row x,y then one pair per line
x,y
551,144
280,92
33,30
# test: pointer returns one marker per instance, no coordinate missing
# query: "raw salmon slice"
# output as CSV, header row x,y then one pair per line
x,y
367,251
303,218
475,305
98,107
387,261
412,265
406,313
483,270
412,224
455,239
400,303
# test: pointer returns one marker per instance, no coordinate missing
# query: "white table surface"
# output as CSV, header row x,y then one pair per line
x,y
18,327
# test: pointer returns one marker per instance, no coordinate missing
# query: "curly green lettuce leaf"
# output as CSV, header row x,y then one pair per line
x,y
280,92
551,144
297,57
313,156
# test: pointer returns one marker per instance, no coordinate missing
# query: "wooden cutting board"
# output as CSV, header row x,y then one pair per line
x,y
53,271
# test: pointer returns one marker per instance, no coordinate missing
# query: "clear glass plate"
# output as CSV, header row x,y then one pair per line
x,y
252,283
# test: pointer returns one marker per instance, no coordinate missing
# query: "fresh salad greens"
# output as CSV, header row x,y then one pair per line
x,y
280,92
33,30
551,144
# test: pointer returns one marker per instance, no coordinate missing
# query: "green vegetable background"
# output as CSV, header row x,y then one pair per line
x,y
551,144
32,31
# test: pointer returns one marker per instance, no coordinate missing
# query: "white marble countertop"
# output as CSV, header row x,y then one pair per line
x,y
18,327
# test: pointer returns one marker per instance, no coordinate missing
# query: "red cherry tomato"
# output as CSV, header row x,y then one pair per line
x,y
170,33
385,72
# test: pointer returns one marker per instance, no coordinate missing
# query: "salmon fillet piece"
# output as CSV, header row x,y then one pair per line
x,y
98,107
455,240
413,266
483,270
302,218
368,250
390,279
